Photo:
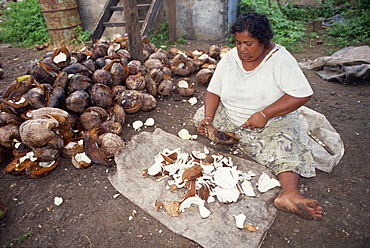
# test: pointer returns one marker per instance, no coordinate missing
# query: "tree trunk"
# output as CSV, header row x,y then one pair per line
x,y
131,17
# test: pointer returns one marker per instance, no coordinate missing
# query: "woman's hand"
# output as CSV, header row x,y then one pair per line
x,y
257,120
202,126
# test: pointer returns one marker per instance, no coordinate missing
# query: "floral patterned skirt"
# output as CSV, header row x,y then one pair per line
x,y
277,146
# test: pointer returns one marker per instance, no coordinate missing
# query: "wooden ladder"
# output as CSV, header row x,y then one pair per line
x,y
111,6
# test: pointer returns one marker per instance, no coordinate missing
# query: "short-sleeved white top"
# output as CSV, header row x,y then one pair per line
x,y
246,92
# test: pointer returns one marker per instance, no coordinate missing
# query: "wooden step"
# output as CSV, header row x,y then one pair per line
x,y
139,6
111,6
118,24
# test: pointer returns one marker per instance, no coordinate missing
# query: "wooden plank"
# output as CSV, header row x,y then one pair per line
x,y
139,6
104,17
171,20
150,17
133,30
117,24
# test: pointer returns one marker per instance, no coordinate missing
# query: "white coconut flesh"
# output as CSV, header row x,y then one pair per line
x,y
149,122
204,212
226,177
46,164
82,157
22,100
192,101
137,125
61,57
248,188
227,195
29,155
239,220
70,145
183,84
266,183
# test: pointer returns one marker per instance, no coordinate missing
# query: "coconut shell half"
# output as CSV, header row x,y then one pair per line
x,y
221,137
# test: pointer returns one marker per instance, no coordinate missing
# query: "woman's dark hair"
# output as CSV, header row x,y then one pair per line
x,y
256,24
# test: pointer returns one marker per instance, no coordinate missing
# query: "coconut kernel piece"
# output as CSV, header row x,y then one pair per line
x,y
158,205
251,227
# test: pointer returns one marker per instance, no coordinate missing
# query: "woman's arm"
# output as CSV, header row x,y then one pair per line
x,y
282,106
211,102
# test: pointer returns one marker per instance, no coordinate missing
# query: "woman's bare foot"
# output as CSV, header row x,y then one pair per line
x,y
290,200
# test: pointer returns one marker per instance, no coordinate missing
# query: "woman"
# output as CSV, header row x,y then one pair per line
x,y
255,92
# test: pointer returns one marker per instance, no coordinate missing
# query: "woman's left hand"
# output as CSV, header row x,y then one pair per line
x,y
257,120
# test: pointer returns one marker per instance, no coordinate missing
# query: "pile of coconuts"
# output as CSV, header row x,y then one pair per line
x,y
74,104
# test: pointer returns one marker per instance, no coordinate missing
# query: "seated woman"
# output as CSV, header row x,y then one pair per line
x,y
256,90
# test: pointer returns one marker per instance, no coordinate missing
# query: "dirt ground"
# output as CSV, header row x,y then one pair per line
x,y
91,217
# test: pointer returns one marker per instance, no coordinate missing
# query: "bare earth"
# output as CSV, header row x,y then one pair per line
x,y
91,217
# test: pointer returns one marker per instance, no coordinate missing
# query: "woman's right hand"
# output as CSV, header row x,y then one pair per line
x,y
202,126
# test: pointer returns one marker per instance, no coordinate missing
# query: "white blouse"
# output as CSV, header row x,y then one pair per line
x,y
246,92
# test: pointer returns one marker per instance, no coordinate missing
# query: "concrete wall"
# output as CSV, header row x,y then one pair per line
x,y
202,20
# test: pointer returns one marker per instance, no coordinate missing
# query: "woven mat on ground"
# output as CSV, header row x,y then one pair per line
x,y
219,229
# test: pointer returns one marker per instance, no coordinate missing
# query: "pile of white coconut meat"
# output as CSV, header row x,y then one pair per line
x,y
206,177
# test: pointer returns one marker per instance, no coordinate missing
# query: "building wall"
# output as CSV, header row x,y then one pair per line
x,y
202,20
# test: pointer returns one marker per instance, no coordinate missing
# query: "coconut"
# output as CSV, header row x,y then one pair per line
x,y
150,85
204,76
135,82
185,87
110,143
77,68
134,66
9,118
157,75
117,114
100,63
153,63
130,100
61,57
90,64
124,55
195,53
79,57
79,82
101,95
18,87
111,126
166,87
50,151
100,50
158,55
182,66
167,71
62,116
16,105
79,158
103,77
37,133
8,133
214,51
119,73
36,98
61,80
78,101
150,103
20,163
221,137
57,98
42,72
93,151
92,117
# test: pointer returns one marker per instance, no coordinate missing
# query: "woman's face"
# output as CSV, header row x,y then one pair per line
x,y
249,48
